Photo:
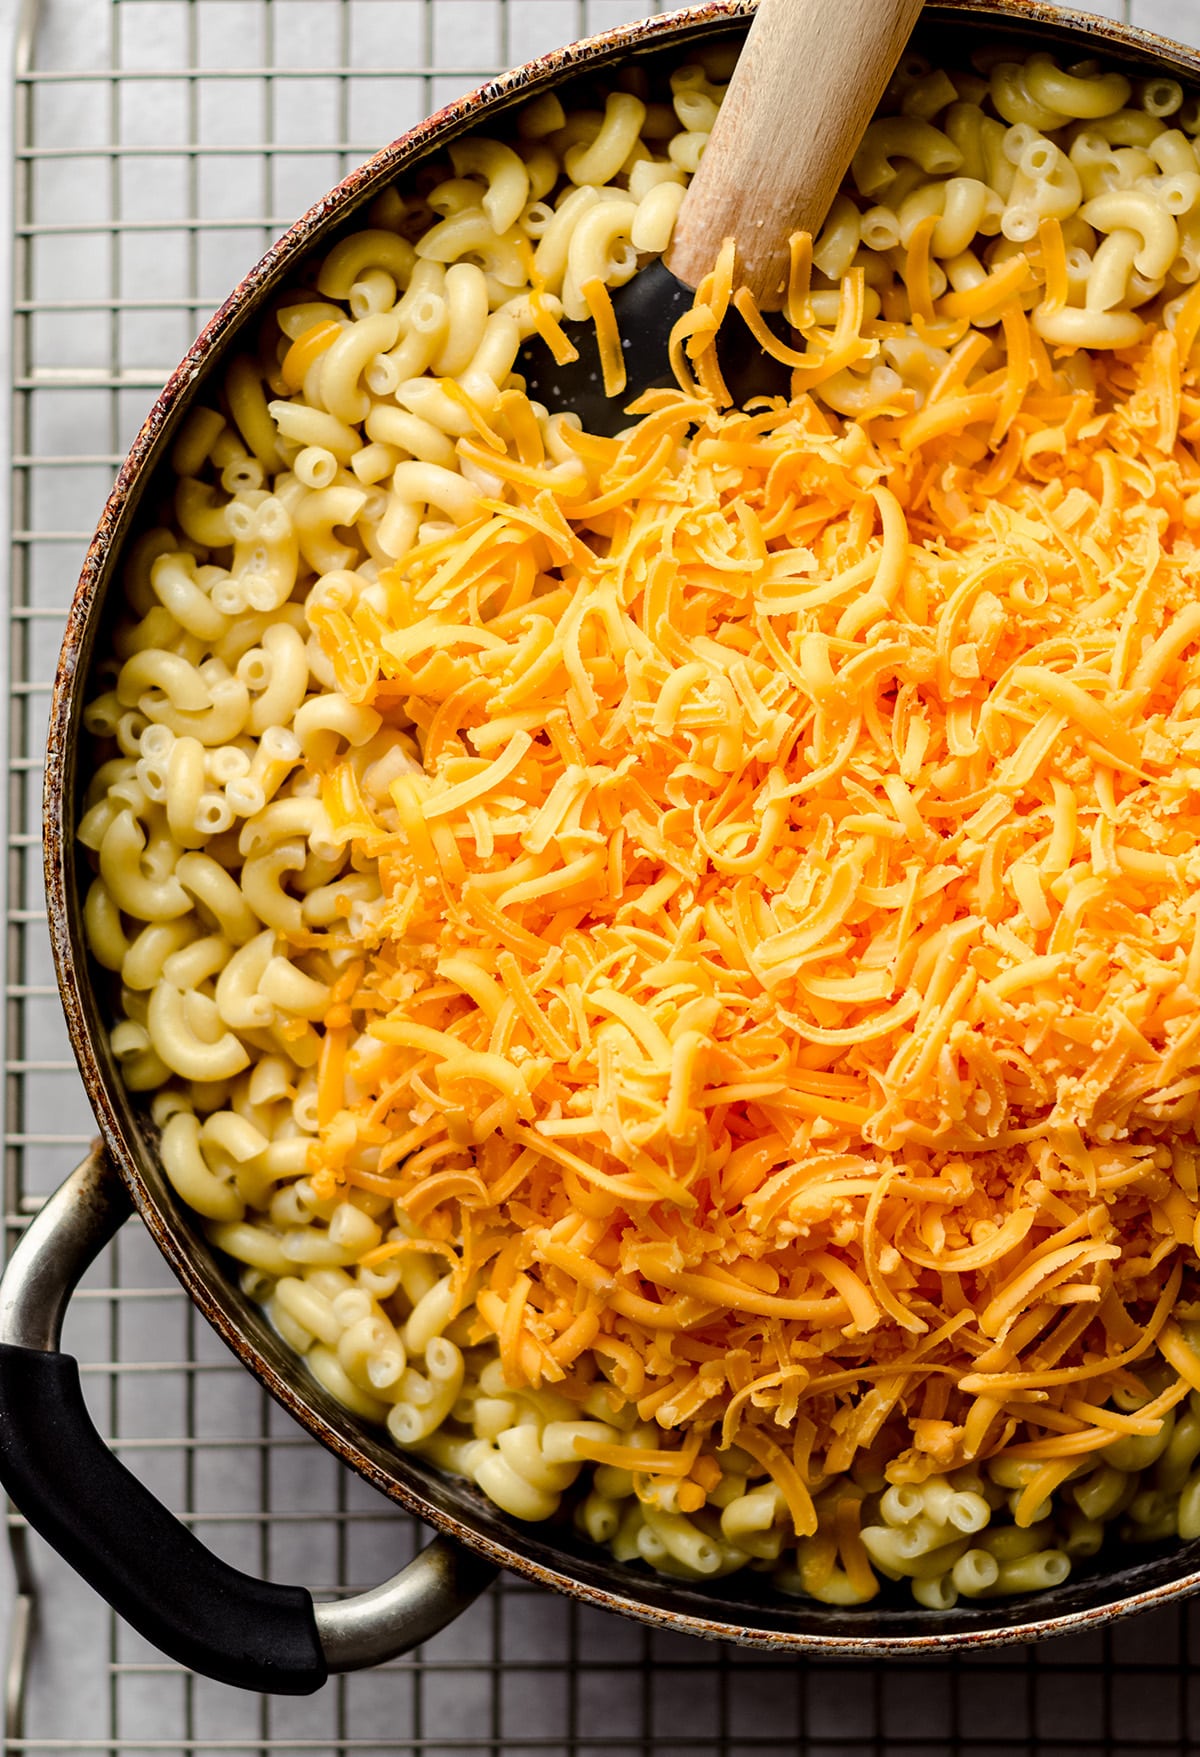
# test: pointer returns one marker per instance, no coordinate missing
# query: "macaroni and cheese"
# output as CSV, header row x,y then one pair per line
x,y
671,963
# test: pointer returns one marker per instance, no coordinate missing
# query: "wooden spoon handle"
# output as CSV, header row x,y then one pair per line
x,y
805,86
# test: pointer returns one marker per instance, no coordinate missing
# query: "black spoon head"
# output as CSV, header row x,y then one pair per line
x,y
647,308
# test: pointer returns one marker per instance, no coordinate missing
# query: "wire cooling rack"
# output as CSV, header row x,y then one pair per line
x,y
159,146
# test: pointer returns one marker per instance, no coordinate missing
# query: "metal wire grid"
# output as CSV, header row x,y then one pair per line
x,y
159,146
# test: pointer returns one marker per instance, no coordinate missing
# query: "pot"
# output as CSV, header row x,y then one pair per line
x,y
199,1610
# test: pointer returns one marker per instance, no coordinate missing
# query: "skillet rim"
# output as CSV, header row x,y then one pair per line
x,y
606,1585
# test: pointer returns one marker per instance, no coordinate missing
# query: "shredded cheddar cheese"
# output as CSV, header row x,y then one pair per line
x,y
786,983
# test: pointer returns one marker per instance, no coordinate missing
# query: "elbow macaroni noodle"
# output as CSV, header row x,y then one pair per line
x,y
232,911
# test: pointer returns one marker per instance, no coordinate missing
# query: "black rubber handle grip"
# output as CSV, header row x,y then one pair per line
x,y
151,1569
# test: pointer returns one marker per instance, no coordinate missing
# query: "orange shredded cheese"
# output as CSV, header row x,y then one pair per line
x,y
789,956
307,347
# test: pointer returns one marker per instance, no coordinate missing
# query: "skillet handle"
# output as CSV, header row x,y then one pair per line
x,y
198,1609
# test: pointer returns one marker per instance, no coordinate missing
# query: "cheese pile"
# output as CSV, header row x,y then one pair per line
x,y
784,998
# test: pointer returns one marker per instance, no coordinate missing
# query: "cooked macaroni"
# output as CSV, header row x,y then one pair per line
x,y
386,878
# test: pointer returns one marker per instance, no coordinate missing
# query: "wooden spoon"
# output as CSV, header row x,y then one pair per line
x,y
805,86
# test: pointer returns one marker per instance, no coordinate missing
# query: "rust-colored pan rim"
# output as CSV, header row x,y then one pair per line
x,y
1039,17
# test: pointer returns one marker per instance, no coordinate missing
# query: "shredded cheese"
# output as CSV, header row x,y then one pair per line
x,y
789,955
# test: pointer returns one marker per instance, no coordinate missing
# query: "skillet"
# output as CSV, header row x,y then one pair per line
x,y
198,1609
